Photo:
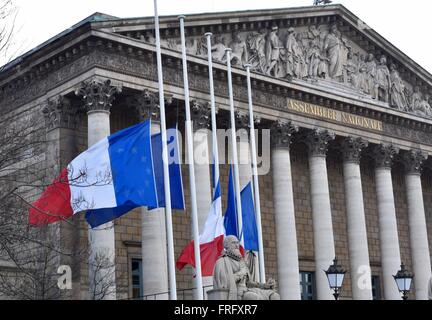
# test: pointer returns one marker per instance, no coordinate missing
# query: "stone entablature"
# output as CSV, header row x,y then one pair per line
x,y
125,56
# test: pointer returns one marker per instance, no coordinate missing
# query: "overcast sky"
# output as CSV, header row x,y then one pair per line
x,y
406,24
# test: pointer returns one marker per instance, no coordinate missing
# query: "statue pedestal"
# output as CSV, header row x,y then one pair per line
x,y
218,294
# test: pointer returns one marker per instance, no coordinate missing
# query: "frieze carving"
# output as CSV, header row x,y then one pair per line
x,y
317,141
201,114
352,148
59,113
282,133
97,95
413,160
319,54
384,154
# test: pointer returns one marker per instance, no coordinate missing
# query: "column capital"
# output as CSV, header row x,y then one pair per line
x,y
384,154
352,148
413,161
145,104
97,95
242,119
201,114
281,133
59,113
317,141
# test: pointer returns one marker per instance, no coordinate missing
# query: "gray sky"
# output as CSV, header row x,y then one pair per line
x,y
404,23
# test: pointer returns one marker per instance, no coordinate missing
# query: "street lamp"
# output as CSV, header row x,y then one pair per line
x,y
403,280
335,275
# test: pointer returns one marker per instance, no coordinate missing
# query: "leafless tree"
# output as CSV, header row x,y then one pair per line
x,y
8,29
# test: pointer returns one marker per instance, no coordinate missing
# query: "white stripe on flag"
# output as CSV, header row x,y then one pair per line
x,y
90,179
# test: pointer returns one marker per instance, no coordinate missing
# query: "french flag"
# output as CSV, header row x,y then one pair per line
x,y
116,174
211,239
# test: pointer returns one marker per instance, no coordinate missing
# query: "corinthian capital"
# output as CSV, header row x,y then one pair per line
x,y
59,113
413,160
317,141
201,114
281,133
242,119
384,155
97,95
352,148
146,105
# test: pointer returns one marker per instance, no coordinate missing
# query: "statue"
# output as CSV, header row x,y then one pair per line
x,y
382,84
317,63
257,44
397,90
273,54
371,68
232,273
416,99
363,84
423,108
351,70
239,54
295,63
218,48
333,47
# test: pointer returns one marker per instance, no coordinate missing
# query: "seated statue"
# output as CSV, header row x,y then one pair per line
x,y
232,273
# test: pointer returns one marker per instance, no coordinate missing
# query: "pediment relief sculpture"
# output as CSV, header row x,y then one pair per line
x,y
319,54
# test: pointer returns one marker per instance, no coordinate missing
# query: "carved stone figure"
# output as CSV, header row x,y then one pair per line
x,y
382,84
397,90
295,62
351,71
317,63
416,99
371,68
363,84
273,52
257,45
333,47
423,108
231,272
239,54
218,48
313,34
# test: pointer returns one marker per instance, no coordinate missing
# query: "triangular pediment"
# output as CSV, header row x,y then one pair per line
x,y
323,45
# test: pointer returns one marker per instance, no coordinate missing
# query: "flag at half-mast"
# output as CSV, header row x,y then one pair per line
x,y
109,179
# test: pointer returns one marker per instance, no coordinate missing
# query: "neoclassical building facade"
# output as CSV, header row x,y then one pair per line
x,y
350,121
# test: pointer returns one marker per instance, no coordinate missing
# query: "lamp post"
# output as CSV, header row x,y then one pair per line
x,y
335,275
403,280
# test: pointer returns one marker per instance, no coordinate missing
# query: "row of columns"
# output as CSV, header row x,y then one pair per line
x,y
98,97
317,142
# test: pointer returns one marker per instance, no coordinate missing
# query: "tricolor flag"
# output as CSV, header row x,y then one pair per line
x,y
109,179
211,239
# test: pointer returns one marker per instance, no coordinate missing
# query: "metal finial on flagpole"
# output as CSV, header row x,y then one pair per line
x,y
213,110
255,177
234,148
168,213
189,136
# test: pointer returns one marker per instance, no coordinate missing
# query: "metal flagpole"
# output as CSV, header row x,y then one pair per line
x,y
234,148
189,136
213,111
168,214
255,177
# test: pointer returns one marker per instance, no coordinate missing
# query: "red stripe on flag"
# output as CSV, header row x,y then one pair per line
x,y
210,252
54,204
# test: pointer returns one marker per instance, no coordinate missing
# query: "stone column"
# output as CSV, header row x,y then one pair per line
x,y
356,222
389,240
98,97
283,198
201,115
317,142
61,120
153,228
417,223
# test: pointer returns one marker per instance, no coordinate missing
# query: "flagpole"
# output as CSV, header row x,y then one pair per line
x,y
234,148
255,177
168,213
195,230
213,111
